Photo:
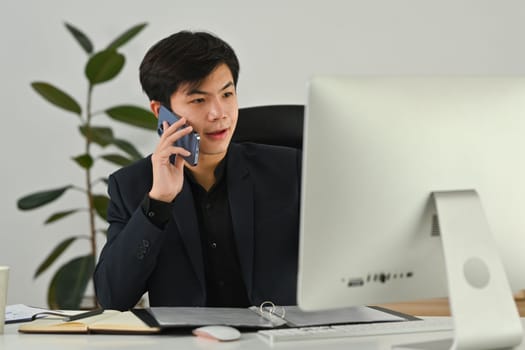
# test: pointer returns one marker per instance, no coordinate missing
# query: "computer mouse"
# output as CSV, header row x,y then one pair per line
x,y
220,333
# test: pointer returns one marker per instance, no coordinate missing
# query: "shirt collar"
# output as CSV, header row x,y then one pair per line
x,y
219,172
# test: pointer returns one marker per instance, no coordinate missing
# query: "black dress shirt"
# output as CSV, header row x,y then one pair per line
x,y
224,284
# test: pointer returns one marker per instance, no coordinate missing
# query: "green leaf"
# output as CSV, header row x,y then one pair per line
x,y
101,203
69,283
102,136
128,148
81,38
55,253
41,198
60,215
84,160
57,97
126,36
117,159
133,115
104,66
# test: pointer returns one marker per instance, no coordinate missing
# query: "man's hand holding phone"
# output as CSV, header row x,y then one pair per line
x,y
168,176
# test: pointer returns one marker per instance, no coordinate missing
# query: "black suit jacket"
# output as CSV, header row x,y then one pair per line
x,y
263,190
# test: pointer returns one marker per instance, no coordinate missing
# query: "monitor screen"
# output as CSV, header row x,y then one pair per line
x,y
376,149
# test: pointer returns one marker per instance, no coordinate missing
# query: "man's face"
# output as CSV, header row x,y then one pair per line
x,y
210,108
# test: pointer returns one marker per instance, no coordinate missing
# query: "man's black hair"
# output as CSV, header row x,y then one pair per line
x,y
183,57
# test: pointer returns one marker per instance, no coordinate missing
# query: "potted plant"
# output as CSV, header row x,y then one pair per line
x,y
69,283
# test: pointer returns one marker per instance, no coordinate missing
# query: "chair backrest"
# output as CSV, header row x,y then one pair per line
x,y
280,125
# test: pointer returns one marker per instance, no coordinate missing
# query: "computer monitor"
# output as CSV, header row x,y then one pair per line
x,y
413,188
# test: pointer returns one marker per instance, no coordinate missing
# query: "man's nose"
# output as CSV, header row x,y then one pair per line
x,y
216,110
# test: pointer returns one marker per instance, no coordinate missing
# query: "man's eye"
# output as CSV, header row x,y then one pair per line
x,y
228,94
197,100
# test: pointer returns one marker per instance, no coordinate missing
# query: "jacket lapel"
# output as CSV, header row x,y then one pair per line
x,y
188,226
240,193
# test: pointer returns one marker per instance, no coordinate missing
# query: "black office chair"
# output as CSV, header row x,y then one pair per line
x,y
280,125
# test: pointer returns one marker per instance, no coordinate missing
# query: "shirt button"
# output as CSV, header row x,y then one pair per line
x,y
208,205
151,214
220,283
213,245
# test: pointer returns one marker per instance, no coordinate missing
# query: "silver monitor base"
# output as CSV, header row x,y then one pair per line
x,y
484,313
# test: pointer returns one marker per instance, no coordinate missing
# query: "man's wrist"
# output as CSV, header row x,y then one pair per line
x,y
159,198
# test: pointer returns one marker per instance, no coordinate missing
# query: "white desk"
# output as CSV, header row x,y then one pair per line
x,y
11,340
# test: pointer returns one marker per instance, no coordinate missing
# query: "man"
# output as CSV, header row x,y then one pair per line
x,y
221,233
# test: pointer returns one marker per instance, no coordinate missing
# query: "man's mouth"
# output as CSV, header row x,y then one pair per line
x,y
217,134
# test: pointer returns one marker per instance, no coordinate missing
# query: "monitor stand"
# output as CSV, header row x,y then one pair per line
x,y
484,313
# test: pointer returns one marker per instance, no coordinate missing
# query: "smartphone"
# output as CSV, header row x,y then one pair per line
x,y
189,142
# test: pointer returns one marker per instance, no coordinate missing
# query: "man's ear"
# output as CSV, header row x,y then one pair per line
x,y
154,106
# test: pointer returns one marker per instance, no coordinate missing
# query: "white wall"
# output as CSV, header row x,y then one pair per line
x,y
280,44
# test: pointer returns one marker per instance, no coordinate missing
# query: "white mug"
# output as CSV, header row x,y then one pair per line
x,y
4,276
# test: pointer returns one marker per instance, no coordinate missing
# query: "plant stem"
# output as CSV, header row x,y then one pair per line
x,y
89,192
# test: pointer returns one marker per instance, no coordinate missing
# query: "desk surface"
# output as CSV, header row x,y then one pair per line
x,y
12,340
438,307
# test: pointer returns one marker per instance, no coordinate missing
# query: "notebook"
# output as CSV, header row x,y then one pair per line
x,y
110,321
